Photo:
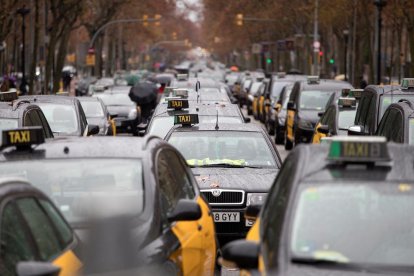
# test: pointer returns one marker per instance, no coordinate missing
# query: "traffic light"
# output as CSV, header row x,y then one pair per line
x,y
158,18
145,20
239,19
320,53
268,60
331,61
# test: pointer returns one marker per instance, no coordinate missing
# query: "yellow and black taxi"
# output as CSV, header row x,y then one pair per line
x,y
97,114
338,116
15,113
34,235
306,100
397,124
338,209
144,179
253,96
263,101
163,118
234,164
374,101
64,114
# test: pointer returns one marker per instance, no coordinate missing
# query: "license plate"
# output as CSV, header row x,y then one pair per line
x,y
226,216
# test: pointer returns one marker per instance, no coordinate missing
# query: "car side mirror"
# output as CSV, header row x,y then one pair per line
x,y
241,254
320,114
323,129
356,130
252,212
37,269
291,106
247,120
93,130
185,210
113,115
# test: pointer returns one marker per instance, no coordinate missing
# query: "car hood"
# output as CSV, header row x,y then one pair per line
x,y
247,179
121,110
309,115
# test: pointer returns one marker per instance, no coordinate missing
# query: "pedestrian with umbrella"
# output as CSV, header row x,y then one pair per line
x,y
145,95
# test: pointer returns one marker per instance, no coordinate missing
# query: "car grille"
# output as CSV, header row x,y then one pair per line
x,y
224,197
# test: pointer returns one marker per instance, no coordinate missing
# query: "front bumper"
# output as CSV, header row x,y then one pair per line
x,y
231,229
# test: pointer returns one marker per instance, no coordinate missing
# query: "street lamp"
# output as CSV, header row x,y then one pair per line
x,y
23,12
346,36
380,4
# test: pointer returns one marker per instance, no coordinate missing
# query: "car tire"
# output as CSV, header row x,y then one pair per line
x,y
270,128
279,136
288,143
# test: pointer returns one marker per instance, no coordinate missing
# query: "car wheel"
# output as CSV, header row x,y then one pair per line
x,y
270,128
288,143
279,136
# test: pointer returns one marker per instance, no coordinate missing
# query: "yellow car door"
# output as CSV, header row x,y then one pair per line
x,y
197,252
261,105
289,124
317,135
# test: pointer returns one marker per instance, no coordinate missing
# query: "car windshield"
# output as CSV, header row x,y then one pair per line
x,y
387,100
314,100
277,88
116,99
82,188
365,223
61,117
92,109
8,123
346,118
161,125
223,147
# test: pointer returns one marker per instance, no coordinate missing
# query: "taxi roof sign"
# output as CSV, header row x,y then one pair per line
x,y
347,102
22,137
281,75
182,77
169,90
8,96
181,92
356,93
186,119
359,149
177,104
407,83
313,79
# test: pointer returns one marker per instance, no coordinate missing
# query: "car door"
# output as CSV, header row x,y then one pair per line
x,y
197,250
317,135
33,229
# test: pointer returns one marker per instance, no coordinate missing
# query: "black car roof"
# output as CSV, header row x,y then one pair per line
x,y
313,166
50,99
81,147
202,109
333,85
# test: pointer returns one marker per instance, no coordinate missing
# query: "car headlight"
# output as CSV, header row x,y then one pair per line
x,y
132,114
256,198
305,124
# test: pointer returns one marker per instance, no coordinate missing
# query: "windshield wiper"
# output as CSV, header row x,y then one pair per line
x,y
224,165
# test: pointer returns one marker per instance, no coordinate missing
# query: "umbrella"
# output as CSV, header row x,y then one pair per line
x,y
234,69
143,93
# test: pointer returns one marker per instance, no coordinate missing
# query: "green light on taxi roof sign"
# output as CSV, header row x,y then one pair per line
x,y
359,149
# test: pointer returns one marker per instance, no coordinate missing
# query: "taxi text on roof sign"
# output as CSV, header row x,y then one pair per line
x,y
313,79
407,83
22,137
186,119
177,104
8,96
347,102
359,149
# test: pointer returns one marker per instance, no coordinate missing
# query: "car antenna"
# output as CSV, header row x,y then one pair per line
x,y
198,86
217,126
